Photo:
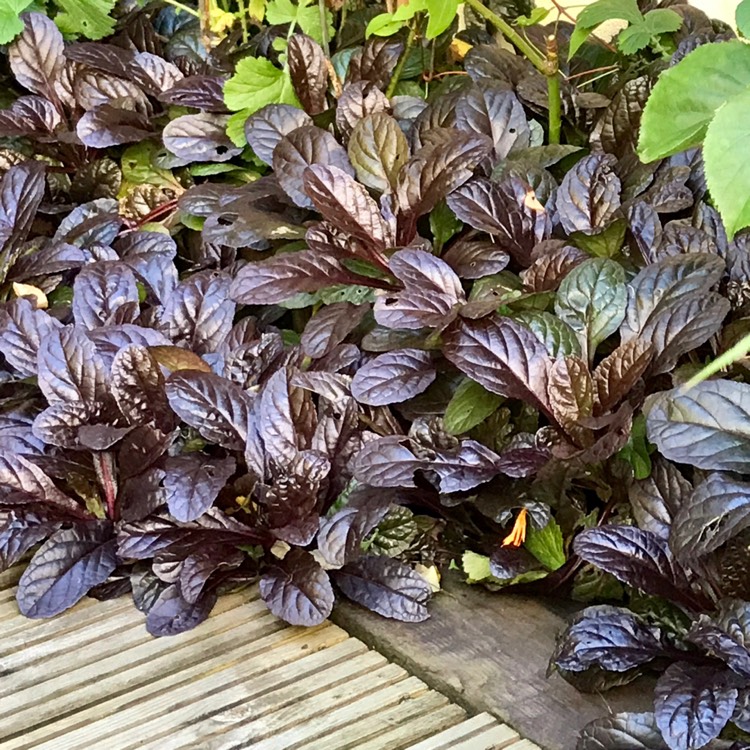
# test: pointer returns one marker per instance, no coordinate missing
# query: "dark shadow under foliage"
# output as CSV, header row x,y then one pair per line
x,y
386,335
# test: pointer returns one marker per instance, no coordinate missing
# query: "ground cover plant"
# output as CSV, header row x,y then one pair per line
x,y
334,297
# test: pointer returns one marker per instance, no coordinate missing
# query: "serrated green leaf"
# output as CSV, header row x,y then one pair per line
x,y
470,405
10,19
305,16
633,39
662,21
440,16
256,83
742,18
686,97
727,172
138,167
476,567
547,545
89,18
609,10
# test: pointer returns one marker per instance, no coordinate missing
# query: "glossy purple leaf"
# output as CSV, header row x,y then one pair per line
x,y
503,356
297,589
692,705
20,531
100,290
431,295
281,277
298,150
65,567
268,126
199,313
192,483
200,138
217,408
385,586
22,327
393,377
171,614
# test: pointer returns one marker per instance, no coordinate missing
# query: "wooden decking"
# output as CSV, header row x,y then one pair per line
x,y
93,679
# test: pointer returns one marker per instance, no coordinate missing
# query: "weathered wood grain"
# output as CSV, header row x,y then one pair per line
x,y
489,652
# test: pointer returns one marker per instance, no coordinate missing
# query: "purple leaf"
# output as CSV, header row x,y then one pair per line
x,y
385,586
65,567
100,290
22,327
20,531
309,72
298,150
347,205
269,125
38,55
171,614
217,408
200,138
393,377
297,589
69,367
503,356
329,327
277,279
192,483
199,313
692,705
432,292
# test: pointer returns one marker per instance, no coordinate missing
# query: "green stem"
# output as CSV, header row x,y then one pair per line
x,y
555,115
183,8
324,26
243,20
400,64
552,71
533,55
342,19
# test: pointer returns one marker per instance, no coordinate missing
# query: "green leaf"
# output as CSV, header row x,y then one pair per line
x,y
536,16
305,15
138,167
440,15
10,19
394,533
592,300
726,164
598,13
662,21
236,127
256,83
470,405
606,244
557,336
89,18
476,567
383,25
633,39
637,451
640,34
547,545
686,97
609,10
742,18
443,225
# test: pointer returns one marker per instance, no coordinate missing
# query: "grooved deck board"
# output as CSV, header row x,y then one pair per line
x,y
94,678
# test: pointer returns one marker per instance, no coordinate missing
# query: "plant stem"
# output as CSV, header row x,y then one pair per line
x,y
242,12
553,90
401,62
531,53
183,8
324,26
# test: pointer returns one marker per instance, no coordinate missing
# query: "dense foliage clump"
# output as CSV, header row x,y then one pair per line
x,y
332,297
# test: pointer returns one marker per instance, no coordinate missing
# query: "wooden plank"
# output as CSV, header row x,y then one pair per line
x,y
214,705
498,737
9,578
227,648
52,658
396,727
445,739
336,709
22,631
524,745
489,652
